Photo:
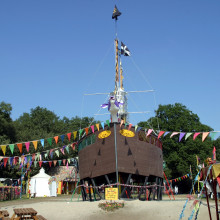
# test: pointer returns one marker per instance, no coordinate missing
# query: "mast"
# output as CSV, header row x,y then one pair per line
x,y
116,65
119,93
121,75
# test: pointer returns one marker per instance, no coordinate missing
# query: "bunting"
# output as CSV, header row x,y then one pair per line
x,y
204,135
160,134
80,132
135,128
182,134
35,144
74,135
174,133
49,140
92,128
107,122
56,139
122,121
62,137
97,126
87,130
27,144
69,136
20,147
42,142
195,135
180,178
12,146
149,132
103,125
3,148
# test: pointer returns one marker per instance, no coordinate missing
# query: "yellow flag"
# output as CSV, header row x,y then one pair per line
x,y
3,149
35,144
97,125
74,134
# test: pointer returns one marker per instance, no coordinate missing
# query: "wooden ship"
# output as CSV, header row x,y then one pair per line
x,y
120,155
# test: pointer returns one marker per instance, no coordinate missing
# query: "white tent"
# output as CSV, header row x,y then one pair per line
x,y
39,184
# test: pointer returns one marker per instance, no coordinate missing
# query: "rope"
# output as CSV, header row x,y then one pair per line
x,y
119,184
148,82
94,77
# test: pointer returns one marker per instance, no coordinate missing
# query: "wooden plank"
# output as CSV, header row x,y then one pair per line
x,y
98,159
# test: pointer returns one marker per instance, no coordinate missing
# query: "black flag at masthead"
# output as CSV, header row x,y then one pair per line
x,y
116,13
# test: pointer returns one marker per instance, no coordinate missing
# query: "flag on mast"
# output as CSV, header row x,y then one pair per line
x,y
116,13
124,50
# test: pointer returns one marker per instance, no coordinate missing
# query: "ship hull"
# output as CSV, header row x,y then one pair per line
x,y
138,160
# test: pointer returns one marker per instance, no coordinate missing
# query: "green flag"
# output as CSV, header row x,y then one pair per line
x,y
49,140
12,146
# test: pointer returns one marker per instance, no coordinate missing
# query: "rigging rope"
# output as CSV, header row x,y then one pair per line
x,y
147,81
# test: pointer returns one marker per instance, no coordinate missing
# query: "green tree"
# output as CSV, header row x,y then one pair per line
x,y
7,135
42,123
178,156
7,130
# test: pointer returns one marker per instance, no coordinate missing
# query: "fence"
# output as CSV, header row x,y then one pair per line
x,y
9,193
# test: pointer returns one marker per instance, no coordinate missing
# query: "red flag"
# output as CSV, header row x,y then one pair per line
x,y
73,146
40,163
64,161
69,136
33,156
5,159
214,154
160,134
15,160
50,163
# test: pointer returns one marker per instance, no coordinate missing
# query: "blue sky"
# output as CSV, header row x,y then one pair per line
x,y
52,52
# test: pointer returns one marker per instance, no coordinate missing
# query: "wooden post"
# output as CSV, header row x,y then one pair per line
x,y
155,189
160,188
169,185
207,199
116,65
167,190
215,194
95,188
142,189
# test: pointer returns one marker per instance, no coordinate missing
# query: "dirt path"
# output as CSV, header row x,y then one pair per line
x,y
61,208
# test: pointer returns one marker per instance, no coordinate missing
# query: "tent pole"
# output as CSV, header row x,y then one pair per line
x,y
215,194
207,199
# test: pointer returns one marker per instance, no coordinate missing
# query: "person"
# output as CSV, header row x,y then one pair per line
x,y
176,190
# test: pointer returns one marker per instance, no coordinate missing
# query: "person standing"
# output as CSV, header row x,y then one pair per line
x,y
176,190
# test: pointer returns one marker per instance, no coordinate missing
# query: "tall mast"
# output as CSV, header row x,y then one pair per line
x,y
116,66
121,75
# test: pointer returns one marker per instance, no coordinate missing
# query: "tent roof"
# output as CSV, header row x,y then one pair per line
x,y
41,174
